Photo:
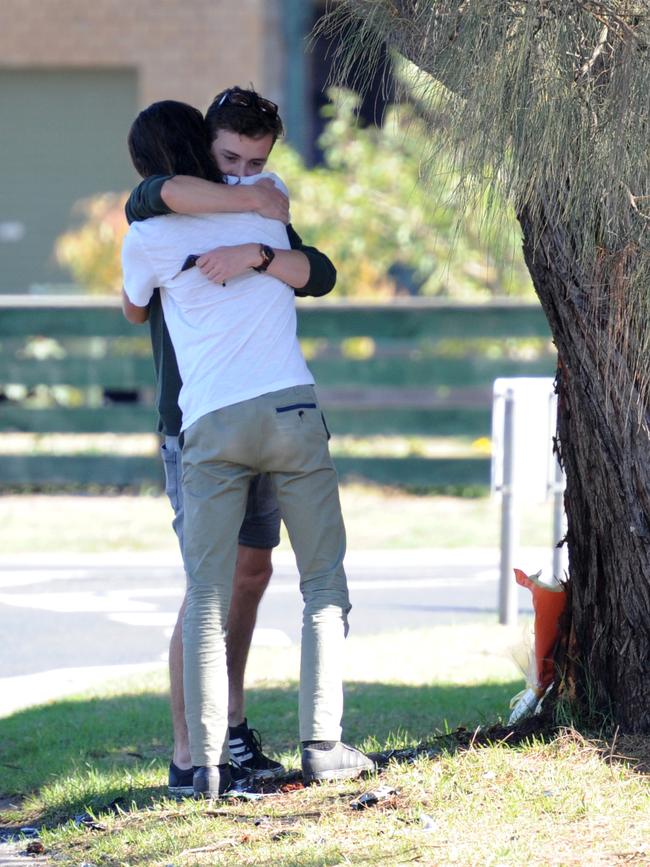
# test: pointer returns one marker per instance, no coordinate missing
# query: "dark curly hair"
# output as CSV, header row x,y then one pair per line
x,y
171,138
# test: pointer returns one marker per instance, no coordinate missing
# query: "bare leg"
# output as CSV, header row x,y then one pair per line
x,y
252,575
181,756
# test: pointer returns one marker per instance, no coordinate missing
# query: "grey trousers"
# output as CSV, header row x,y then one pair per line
x,y
281,433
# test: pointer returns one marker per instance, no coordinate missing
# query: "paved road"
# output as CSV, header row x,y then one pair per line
x,y
65,624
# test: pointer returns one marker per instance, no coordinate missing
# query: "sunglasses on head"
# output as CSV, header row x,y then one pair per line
x,y
244,99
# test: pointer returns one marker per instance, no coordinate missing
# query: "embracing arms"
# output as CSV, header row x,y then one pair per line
x,y
183,194
308,271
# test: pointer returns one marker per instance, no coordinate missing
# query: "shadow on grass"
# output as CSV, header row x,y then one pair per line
x,y
83,754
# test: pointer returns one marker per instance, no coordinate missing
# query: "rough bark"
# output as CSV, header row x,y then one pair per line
x,y
605,449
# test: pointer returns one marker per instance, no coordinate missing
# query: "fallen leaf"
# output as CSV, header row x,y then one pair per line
x,y
369,799
428,824
35,847
282,835
292,787
85,820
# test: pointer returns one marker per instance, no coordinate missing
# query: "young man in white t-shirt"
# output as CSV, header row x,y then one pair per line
x,y
248,406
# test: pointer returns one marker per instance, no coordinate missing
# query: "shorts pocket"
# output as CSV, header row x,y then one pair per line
x,y
171,460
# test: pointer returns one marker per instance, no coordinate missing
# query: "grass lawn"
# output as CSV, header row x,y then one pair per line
x,y
569,801
375,517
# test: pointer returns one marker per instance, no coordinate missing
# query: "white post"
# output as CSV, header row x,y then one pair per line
x,y
509,518
560,560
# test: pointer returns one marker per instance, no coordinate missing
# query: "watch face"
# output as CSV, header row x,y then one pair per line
x,y
268,255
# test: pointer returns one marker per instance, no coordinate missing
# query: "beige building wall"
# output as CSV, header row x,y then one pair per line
x,y
181,49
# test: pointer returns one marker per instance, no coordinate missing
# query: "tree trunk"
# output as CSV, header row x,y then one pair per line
x,y
604,445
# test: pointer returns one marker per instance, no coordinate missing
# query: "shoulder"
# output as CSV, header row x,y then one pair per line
x,y
277,180
132,241
146,199
154,229
135,252
143,238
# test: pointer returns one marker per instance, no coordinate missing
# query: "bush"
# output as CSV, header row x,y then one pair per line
x,y
91,252
389,218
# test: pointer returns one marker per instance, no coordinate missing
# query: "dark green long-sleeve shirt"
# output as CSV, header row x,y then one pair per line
x,y
146,201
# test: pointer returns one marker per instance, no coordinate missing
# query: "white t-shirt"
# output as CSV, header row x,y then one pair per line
x,y
232,343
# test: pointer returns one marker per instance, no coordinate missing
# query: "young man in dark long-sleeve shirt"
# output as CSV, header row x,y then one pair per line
x,y
310,273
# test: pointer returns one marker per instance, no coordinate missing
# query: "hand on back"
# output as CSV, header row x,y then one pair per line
x,y
272,202
224,263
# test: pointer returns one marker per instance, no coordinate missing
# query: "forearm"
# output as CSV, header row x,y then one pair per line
x,y
187,195
134,314
290,266
309,271
224,263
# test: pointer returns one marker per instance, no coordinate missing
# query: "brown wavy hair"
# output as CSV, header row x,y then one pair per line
x,y
171,138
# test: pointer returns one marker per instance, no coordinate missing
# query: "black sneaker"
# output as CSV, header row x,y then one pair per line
x,y
340,763
241,780
213,782
246,752
180,783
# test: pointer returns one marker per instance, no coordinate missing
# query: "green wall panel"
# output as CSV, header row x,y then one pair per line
x,y
62,138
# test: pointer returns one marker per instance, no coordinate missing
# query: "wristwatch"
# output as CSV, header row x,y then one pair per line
x,y
268,255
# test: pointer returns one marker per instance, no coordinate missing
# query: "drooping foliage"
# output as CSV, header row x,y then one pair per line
x,y
547,100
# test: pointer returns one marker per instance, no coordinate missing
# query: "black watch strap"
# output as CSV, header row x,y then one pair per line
x,y
268,255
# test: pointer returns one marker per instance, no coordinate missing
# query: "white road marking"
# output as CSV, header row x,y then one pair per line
x,y
487,575
156,618
23,578
400,583
129,606
76,603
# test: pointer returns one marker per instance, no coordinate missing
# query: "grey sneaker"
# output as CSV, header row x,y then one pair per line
x,y
215,781
211,782
340,763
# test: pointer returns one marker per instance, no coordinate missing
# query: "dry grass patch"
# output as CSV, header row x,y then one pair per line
x,y
567,801
542,804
